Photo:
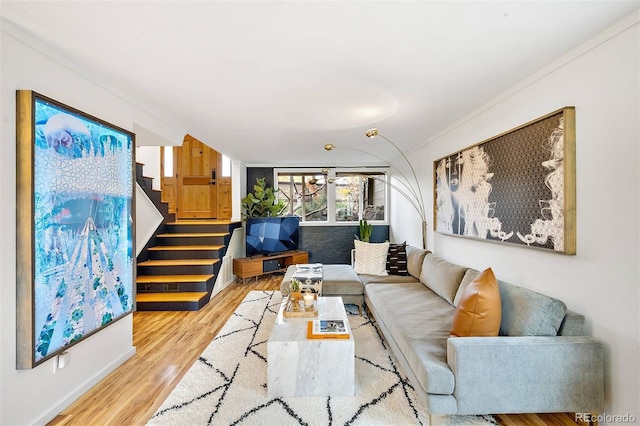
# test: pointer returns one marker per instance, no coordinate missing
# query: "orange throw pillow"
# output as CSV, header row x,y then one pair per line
x,y
480,310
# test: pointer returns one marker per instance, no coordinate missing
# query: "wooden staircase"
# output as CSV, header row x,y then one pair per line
x,y
177,269
181,270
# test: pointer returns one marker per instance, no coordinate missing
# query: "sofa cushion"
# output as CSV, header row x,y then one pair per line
x,y
340,280
420,331
389,279
478,312
470,275
573,324
415,258
441,276
371,258
527,313
397,259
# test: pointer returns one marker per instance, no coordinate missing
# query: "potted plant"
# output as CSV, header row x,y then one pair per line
x,y
262,202
365,231
294,288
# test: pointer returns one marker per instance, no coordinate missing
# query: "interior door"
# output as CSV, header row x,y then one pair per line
x,y
196,182
224,198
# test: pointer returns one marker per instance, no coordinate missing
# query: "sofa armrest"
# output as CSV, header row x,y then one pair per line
x,y
529,374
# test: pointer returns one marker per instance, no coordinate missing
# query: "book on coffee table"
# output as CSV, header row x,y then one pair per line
x,y
327,329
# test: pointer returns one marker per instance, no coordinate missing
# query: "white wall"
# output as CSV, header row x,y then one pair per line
x,y
148,218
150,157
35,396
601,79
238,189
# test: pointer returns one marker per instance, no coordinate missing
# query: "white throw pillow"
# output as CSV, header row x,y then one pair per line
x,y
371,258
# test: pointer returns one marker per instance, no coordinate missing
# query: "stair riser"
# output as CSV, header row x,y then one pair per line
x,y
185,254
145,183
183,227
156,197
173,287
191,241
179,270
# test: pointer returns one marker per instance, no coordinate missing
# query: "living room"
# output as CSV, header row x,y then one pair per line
x,y
599,75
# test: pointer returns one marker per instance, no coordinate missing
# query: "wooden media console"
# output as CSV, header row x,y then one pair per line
x,y
259,265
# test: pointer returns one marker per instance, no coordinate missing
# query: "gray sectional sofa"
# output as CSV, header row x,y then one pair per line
x,y
542,361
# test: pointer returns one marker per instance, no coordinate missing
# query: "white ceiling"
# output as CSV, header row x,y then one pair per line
x,y
270,82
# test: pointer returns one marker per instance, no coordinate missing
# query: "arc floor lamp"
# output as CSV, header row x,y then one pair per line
x,y
408,188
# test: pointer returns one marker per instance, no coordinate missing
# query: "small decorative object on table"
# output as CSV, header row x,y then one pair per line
x,y
294,288
301,305
308,297
310,277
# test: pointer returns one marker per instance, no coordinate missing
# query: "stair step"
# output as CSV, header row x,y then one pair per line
x,y
179,262
173,301
186,248
186,252
193,238
179,267
174,283
189,296
161,279
193,234
201,226
200,222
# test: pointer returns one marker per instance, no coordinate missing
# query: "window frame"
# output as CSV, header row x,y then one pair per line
x,y
331,193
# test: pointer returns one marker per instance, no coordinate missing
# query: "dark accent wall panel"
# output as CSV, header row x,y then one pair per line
x,y
254,173
333,244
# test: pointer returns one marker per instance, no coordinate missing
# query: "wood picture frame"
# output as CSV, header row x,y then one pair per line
x,y
75,234
518,187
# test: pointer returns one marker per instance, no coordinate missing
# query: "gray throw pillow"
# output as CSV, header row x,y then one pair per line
x,y
441,276
468,277
415,258
527,313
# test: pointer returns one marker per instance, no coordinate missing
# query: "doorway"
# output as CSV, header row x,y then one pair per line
x,y
192,181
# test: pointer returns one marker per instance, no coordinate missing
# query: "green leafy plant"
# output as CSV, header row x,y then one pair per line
x,y
262,202
365,231
295,285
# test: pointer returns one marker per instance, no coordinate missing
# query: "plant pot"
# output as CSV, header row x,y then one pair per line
x,y
295,296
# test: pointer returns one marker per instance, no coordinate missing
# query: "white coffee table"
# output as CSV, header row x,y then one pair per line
x,y
297,366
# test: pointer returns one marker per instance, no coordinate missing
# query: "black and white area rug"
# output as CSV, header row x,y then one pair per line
x,y
227,385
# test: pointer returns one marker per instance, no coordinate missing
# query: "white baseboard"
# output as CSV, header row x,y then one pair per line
x,y
70,399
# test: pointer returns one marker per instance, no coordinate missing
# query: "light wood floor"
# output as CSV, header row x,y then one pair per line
x,y
167,344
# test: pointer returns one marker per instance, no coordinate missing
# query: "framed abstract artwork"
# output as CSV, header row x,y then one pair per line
x,y
75,230
516,188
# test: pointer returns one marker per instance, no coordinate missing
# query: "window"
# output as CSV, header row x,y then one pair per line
x,y
333,195
359,196
305,195
226,166
168,160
